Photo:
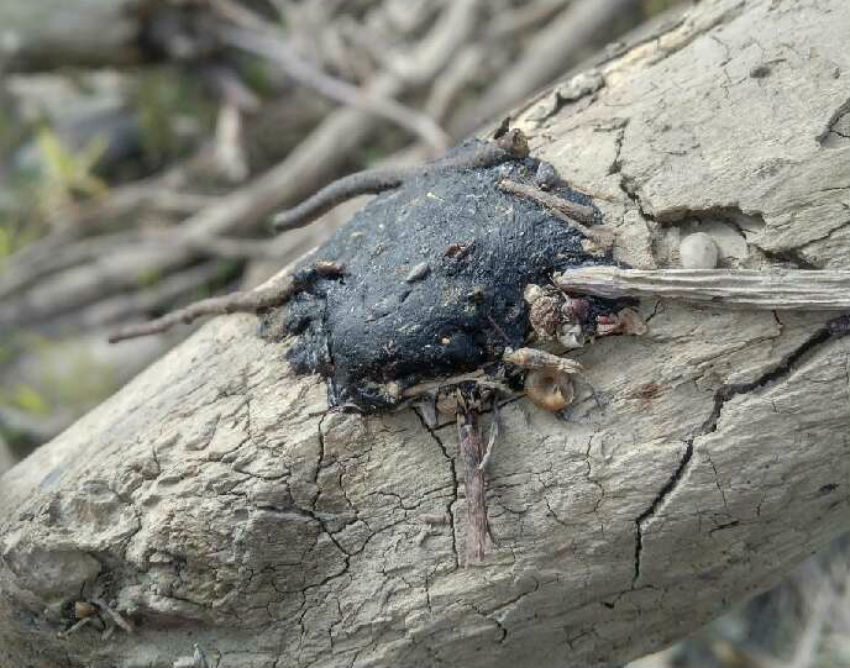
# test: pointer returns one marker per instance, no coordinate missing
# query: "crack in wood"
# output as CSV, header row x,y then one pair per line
x,y
663,493
835,328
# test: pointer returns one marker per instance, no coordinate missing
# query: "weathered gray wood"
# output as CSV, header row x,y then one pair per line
x,y
761,289
215,501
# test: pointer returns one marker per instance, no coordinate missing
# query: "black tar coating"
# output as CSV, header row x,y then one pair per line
x,y
482,247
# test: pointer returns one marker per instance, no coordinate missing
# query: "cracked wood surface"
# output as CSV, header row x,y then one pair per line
x,y
216,501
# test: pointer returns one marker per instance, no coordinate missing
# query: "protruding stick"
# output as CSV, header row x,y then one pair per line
x,y
575,212
511,146
791,289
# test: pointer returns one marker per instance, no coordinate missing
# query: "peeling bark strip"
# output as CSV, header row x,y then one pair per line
x,y
794,289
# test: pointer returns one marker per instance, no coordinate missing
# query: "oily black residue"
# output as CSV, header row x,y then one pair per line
x,y
482,247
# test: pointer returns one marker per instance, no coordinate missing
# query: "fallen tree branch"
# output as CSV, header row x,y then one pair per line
x,y
217,500
454,81
45,36
51,255
776,289
343,130
453,29
524,18
126,307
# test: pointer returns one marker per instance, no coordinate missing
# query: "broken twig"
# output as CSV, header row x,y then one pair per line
x,y
76,627
531,358
795,289
510,146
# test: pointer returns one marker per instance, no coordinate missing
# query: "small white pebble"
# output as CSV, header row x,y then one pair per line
x,y
698,251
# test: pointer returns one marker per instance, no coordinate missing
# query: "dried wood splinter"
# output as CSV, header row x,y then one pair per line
x,y
510,146
572,213
795,289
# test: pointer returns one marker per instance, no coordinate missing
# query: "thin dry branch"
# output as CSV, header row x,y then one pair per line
x,y
20,276
274,293
78,241
511,146
239,302
126,306
116,617
454,80
230,158
453,29
776,289
341,132
53,255
161,193
545,58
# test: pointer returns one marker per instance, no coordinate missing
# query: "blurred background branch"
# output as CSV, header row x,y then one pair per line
x,y
145,145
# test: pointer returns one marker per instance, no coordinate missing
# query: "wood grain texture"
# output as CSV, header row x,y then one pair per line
x,y
215,500
794,289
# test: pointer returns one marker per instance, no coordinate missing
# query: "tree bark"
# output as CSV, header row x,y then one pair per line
x,y
216,501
